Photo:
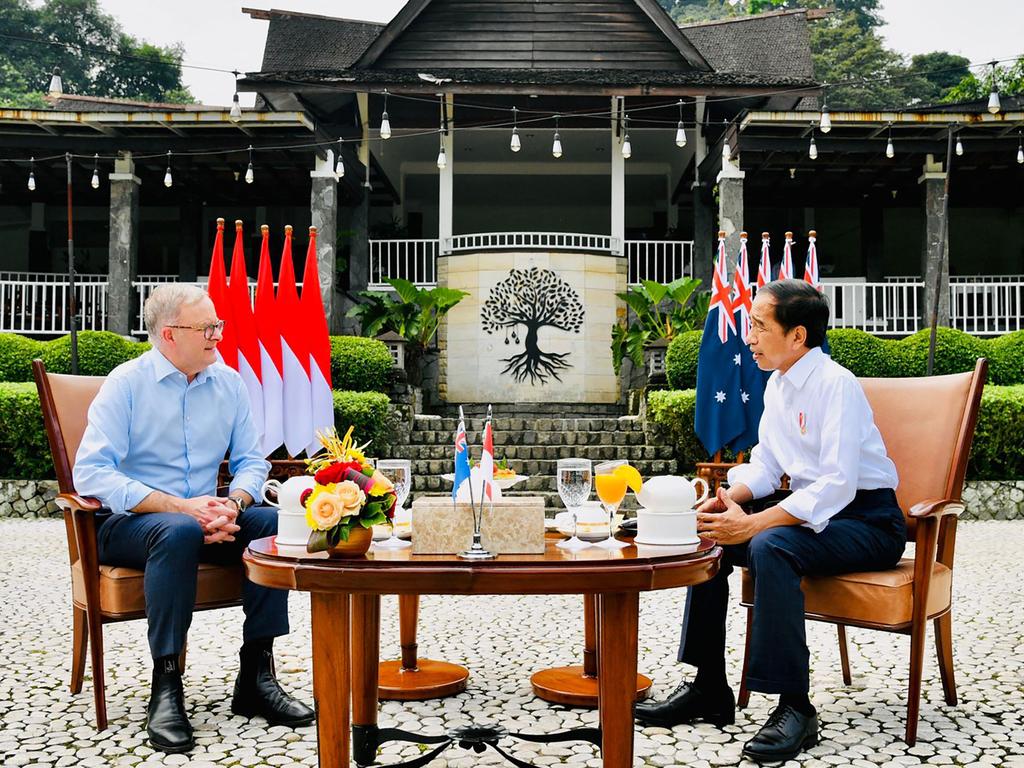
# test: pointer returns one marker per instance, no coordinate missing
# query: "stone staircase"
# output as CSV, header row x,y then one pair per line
x,y
532,438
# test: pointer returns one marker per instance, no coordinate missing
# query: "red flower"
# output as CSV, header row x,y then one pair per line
x,y
335,473
304,496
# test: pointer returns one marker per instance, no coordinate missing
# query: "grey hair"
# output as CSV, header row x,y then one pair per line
x,y
164,306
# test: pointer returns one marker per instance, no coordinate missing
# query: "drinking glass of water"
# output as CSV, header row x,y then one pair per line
x,y
399,472
575,477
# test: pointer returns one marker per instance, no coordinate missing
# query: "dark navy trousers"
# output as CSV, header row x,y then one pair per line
x,y
869,534
169,547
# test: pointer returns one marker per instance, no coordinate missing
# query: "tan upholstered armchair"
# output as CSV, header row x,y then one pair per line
x,y
101,594
927,425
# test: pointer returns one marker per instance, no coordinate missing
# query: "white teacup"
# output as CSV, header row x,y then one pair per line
x,y
289,492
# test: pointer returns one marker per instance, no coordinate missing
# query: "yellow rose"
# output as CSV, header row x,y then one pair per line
x,y
350,496
324,510
381,484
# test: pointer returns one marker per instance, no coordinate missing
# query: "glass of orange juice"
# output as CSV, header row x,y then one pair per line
x,y
610,481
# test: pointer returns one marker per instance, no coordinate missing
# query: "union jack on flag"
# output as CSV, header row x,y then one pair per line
x,y
786,270
742,298
720,297
811,265
461,455
764,271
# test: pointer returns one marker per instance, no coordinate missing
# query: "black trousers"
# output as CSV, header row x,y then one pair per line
x,y
869,534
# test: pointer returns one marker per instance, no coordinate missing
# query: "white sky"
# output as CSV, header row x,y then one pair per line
x,y
216,33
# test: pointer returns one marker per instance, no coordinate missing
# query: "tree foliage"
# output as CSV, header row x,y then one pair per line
x,y
95,55
1009,81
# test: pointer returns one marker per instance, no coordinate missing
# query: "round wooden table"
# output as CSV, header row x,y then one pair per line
x,y
345,605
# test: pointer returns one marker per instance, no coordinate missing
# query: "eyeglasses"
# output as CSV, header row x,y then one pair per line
x,y
209,331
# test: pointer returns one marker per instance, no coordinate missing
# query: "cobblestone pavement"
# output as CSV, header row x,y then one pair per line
x,y
502,640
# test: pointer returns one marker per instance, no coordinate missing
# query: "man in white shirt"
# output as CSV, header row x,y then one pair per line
x,y
842,516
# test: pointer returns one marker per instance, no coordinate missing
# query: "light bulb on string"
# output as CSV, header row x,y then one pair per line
x,y
726,151
627,148
168,180
95,183
825,121
236,109
442,158
812,150
249,175
556,145
31,174
680,131
385,123
1020,150
993,98
339,163
959,147
890,150
514,144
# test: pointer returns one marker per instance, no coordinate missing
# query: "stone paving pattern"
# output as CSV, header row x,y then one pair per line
x,y
502,640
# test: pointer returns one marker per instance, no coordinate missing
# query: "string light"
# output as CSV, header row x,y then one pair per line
x,y
680,131
385,124
514,144
442,158
32,174
627,148
726,151
993,98
812,150
959,147
95,183
1020,150
249,175
556,145
339,163
168,180
236,109
890,150
825,122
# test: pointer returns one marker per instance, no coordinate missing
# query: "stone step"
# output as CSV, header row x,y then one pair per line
x,y
516,453
524,410
427,423
531,437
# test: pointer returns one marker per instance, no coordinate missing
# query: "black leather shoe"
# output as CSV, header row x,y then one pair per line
x,y
257,692
686,704
784,736
167,724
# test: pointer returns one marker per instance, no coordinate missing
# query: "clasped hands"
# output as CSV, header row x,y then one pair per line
x,y
215,516
723,520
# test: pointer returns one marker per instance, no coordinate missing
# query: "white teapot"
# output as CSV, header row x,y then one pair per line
x,y
671,493
289,492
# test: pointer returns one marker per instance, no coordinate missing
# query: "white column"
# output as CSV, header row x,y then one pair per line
x,y
618,211
446,179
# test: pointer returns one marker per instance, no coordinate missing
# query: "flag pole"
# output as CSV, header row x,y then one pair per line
x,y
942,254
476,550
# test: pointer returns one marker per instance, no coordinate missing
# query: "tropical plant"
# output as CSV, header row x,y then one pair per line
x,y
415,315
661,310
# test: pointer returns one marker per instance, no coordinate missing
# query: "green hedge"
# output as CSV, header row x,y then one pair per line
x,y
869,355
996,454
25,453
357,363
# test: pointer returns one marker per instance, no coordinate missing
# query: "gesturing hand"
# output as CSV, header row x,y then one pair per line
x,y
723,520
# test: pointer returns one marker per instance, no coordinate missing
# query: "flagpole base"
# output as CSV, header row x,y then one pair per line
x,y
476,554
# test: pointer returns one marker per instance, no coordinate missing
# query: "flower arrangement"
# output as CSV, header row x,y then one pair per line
x,y
348,492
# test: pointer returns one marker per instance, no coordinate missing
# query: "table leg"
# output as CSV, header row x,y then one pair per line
x,y
413,679
576,686
331,676
617,625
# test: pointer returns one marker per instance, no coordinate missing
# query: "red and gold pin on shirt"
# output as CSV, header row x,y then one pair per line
x,y
802,420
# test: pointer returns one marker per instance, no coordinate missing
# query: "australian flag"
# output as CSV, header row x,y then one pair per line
x,y
720,417
461,455
752,378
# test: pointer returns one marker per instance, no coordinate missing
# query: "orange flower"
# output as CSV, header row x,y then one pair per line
x,y
324,510
351,497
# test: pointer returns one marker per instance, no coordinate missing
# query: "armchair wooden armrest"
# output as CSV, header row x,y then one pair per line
x,y
72,502
936,508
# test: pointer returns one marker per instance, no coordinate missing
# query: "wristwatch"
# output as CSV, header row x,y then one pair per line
x,y
239,502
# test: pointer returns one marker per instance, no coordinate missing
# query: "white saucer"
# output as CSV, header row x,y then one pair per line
x,y
686,543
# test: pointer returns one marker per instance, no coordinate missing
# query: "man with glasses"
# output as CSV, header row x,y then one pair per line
x,y
157,432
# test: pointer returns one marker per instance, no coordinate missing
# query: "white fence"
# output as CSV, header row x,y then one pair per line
x,y
562,241
886,309
660,260
986,309
42,307
412,260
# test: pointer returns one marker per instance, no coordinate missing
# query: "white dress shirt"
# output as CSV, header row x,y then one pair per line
x,y
818,428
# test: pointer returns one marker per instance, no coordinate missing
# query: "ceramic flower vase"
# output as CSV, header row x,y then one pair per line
x,y
358,543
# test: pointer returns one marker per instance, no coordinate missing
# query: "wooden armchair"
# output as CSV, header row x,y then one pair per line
x,y
927,425
101,594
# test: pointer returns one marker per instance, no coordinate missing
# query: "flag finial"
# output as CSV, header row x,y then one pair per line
x,y
743,235
312,231
812,233
789,235
287,230
765,236
238,225
721,234
264,229
220,222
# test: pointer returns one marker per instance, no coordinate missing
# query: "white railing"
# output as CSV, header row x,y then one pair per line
x,y
145,287
562,241
886,309
987,309
660,260
412,260
986,278
50,277
41,307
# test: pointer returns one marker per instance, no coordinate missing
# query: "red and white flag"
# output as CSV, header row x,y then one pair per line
x,y
742,298
217,288
811,265
720,294
297,410
764,271
268,332
319,345
487,459
786,270
245,330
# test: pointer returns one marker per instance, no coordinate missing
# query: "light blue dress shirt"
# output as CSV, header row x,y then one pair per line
x,y
150,429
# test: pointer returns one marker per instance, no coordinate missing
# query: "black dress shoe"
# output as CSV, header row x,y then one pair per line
x,y
787,733
167,724
686,704
257,692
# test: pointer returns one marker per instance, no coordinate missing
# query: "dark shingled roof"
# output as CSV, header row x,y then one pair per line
x,y
771,43
304,41
625,77
72,102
